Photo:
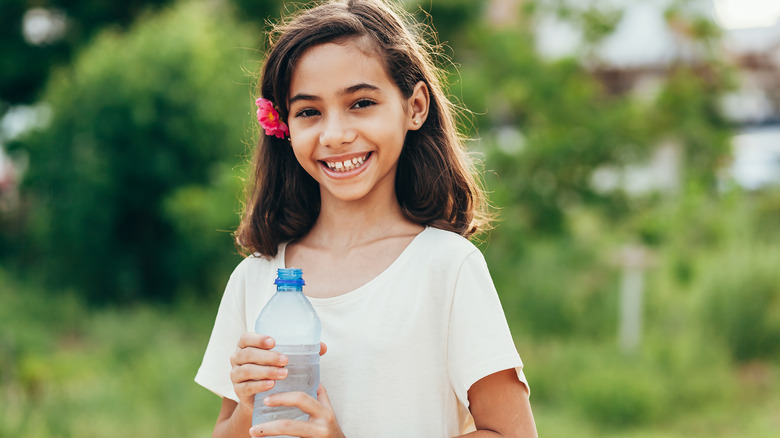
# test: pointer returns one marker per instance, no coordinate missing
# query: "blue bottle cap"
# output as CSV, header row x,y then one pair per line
x,y
289,277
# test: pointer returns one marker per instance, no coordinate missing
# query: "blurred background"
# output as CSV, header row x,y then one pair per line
x,y
631,148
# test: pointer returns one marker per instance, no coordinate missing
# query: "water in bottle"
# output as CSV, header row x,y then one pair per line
x,y
291,321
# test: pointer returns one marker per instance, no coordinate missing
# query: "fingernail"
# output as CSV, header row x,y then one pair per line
x,y
267,400
282,359
269,342
282,372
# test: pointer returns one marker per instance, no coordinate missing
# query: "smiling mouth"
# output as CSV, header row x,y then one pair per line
x,y
347,165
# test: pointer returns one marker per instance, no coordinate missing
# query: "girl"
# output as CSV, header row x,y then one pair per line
x,y
366,187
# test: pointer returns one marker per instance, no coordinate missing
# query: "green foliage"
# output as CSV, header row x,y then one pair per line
x,y
621,393
611,392
548,125
595,20
741,302
558,288
259,11
24,68
137,117
568,123
203,217
687,108
710,298
448,18
66,372
767,210
598,23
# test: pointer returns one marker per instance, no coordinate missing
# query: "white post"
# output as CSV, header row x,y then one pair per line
x,y
634,260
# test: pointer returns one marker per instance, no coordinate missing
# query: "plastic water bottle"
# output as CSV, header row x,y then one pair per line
x,y
291,321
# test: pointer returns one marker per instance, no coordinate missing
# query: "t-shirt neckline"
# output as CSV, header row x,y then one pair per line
x,y
360,290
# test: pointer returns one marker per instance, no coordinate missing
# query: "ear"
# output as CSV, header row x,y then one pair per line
x,y
419,103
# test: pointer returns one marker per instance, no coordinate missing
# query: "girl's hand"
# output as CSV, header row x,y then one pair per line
x,y
255,368
322,420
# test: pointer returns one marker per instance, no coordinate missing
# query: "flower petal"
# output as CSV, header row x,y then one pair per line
x,y
269,118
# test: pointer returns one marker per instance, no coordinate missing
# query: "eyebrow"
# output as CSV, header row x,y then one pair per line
x,y
349,90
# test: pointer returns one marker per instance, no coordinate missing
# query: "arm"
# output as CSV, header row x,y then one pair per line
x,y
500,407
233,420
480,343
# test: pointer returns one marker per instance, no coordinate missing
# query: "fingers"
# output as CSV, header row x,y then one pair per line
x,y
322,397
288,427
323,348
250,388
251,371
255,367
249,380
283,427
255,348
251,339
298,399
261,357
322,420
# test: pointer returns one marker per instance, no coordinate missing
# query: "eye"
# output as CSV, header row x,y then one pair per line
x,y
304,113
363,103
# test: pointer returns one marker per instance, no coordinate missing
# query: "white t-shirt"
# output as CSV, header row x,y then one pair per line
x,y
403,349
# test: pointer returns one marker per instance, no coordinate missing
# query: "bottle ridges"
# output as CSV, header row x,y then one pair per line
x,y
303,374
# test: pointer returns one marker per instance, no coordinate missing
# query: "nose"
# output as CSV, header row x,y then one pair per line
x,y
336,132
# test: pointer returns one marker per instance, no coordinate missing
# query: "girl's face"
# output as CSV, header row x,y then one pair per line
x,y
348,121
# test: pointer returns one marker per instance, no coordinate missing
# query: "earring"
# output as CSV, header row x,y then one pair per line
x,y
416,122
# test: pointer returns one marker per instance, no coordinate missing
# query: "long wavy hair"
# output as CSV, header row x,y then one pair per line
x,y
435,184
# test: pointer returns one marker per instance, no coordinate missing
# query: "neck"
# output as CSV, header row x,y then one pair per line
x,y
345,224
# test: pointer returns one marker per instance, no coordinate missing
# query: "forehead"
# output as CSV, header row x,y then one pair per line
x,y
334,66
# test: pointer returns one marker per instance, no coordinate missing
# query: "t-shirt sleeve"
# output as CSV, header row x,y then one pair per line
x,y
479,342
230,324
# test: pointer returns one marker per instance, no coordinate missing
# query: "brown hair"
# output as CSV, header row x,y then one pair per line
x,y
434,184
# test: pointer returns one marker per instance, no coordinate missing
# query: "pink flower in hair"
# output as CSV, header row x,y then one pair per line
x,y
269,119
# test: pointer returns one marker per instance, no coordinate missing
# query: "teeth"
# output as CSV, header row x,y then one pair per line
x,y
346,165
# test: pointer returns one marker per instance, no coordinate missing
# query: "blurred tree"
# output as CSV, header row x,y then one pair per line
x,y
566,126
547,126
550,124
259,11
140,121
688,111
26,62
30,55
448,17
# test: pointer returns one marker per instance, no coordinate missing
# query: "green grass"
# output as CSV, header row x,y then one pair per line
x,y
67,371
